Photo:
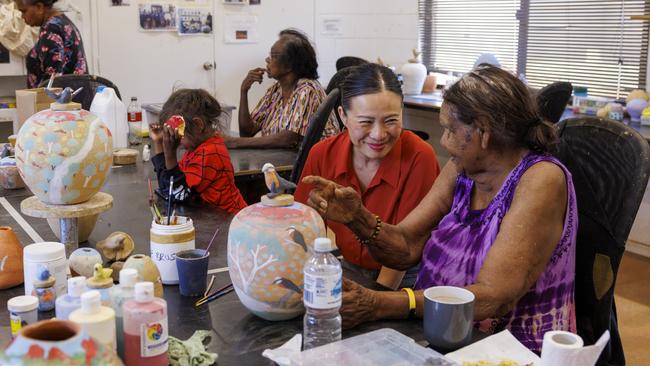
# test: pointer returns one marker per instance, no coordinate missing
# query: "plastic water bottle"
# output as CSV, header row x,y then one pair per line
x,y
135,122
322,296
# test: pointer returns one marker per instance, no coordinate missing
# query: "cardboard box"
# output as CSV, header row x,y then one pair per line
x,y
30,101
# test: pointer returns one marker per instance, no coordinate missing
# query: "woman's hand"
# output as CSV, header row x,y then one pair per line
x,y
255,75
170,139
359,304
333,201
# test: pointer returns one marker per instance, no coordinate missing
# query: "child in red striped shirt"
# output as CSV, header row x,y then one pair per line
x,y
205,170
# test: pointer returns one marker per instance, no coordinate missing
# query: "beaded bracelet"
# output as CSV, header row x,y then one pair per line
x,y
375,233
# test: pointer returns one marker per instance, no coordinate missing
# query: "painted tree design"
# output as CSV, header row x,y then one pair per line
x,y
50,138
28,146
69,127
89,171
247,279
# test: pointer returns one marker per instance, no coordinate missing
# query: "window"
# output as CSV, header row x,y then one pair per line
x,y
590,43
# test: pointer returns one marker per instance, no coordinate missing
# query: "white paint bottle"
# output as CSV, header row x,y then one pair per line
x,y
50,255
96,320
167,240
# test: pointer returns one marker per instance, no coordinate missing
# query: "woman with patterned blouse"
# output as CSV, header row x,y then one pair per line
x,y
59,49
283,114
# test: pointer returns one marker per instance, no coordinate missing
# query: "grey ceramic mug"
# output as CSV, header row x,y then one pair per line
x,y
448,317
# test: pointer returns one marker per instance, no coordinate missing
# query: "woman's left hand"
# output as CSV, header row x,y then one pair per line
x,y
170,139
359,304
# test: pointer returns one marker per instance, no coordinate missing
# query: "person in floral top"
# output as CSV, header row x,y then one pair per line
x,y
283,113
58,50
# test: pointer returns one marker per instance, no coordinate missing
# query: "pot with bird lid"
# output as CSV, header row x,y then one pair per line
x,y
64,153
268,244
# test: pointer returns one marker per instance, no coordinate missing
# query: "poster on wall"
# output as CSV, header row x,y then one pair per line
x,y
255,2
4,55
235,2
157,17
194,21
120,2
240,29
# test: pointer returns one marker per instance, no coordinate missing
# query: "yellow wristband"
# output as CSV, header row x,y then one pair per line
x,y
412,303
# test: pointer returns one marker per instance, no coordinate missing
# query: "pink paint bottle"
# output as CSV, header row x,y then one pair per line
x,y
145,328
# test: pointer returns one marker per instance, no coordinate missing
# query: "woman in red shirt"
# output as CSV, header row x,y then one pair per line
x,y
205,169
391,169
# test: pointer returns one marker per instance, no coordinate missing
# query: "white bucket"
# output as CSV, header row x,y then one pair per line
x,y
50,255
167,240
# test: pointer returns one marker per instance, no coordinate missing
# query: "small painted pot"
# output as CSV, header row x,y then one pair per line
x,y
57,342
46,298
147,271
82,261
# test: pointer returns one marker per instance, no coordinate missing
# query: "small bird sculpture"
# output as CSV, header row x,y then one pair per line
x,y
275,183
64,96
101,273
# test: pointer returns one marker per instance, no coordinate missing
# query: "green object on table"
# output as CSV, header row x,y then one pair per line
x,y
190,352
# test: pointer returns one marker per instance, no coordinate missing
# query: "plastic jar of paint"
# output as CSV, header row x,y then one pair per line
x,y
167,240
51,255
23,310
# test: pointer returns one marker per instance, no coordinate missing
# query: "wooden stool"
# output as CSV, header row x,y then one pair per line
x,y
68,215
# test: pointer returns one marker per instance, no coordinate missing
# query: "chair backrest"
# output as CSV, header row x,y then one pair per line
x,y
610,165
89,84
347,61
552,100
335,83
314,132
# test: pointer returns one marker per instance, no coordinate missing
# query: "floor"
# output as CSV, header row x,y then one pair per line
x,y
633,307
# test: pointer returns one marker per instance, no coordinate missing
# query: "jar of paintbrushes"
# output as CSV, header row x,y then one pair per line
x,y
167,240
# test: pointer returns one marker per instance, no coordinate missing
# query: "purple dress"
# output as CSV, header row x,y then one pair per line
x,y
457,248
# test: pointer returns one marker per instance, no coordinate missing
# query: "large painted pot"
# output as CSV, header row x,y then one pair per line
x,y
64,154
57,342
267,249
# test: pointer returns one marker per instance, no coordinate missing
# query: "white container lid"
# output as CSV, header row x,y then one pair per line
x,y
128,277
90,301
76,286
144,291
323,245
21,304
44,252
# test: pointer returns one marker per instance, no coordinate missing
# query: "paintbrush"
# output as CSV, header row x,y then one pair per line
x,y
207,249
169,202
206,296
215,296
152,204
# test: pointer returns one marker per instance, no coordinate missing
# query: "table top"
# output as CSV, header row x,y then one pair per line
x,y
643,130
238,336
250,161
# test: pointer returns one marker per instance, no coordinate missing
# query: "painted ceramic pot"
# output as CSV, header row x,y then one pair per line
x,y
11,259
635,107
147,271
413,75
64,156
267,249
57,342
10,178
82,261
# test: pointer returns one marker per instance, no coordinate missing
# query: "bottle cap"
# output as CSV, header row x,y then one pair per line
x,y
322,245
128,277
144,291
21,304
100,88
44,252
76,286
90,301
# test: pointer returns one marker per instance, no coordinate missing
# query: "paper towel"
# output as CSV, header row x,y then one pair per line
x,y
561,348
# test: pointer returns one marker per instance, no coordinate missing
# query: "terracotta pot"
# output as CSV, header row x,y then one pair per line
x,y
86,225
10,178
429,84
267,249
49,341
64,154
11,259
147,271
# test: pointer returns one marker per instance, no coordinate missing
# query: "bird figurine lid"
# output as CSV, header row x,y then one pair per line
x,y
278,188
63,99
44,278
416,54
101,277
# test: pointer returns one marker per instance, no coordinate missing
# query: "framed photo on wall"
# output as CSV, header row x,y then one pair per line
x,y
235,2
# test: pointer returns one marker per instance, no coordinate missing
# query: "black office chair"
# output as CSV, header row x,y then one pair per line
x,y
553,99
314,132
610,165
348,61
89,84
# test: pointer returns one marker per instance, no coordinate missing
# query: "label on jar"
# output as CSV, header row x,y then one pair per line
x,y
16,323
322,292
153,338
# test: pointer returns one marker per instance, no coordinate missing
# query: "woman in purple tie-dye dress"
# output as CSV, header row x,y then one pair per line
x,y
500,220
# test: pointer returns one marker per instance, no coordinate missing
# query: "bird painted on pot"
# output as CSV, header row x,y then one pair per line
x,y
64,96
289,285
274,182
296,237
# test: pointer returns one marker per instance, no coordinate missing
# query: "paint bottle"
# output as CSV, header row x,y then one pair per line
x,y
66,304
167,240
22,312
96,320
119,295
145,328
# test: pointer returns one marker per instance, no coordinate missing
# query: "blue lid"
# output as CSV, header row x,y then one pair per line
x,y
100,88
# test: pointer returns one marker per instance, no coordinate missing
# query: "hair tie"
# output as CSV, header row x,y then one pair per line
x,y
536,122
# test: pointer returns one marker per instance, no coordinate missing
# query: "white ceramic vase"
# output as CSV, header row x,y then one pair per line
x,y
413,75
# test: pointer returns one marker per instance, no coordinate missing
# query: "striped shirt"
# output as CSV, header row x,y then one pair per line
x,y
273,115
